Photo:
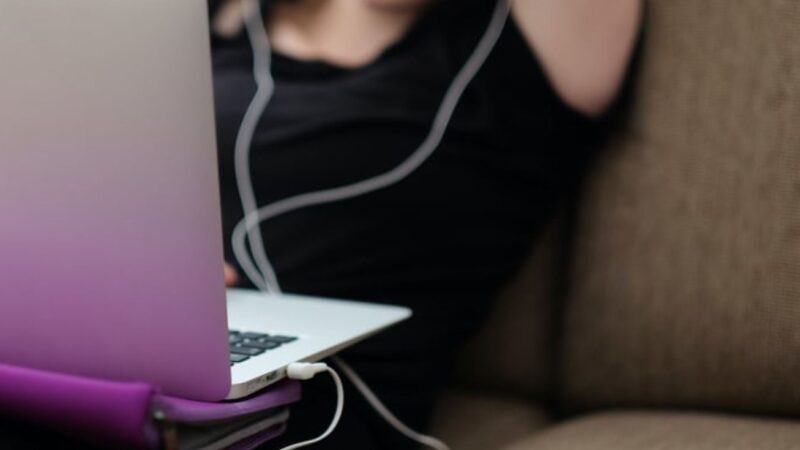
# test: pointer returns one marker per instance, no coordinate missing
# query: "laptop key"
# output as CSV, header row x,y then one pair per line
x,y
249,351
260,344
261,341
281,339
253,336
238,358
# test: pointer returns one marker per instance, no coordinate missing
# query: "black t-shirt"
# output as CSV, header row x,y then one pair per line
x,y
446,238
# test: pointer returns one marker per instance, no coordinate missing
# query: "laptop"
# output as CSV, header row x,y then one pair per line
x,y
110,232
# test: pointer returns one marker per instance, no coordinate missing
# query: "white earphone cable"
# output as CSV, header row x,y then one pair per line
x,y
388,416
250,225
264,276
248,231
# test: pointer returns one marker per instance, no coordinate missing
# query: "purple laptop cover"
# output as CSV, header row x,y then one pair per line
x,y
257,440
119,414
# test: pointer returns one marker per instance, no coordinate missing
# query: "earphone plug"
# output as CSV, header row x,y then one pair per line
x,y
305,371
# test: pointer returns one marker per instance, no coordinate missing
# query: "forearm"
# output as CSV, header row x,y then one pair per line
x,y
584,45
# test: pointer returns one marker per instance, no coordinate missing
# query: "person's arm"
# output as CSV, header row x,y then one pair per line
x,y
584,45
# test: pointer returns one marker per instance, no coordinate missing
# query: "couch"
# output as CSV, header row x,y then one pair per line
x,y
662,310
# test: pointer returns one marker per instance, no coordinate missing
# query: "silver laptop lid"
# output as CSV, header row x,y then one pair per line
x,y
110,237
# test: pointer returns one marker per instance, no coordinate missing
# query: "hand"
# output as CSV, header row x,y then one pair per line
x,y
231,276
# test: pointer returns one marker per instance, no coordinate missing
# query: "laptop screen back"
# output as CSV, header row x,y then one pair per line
x,y
110,239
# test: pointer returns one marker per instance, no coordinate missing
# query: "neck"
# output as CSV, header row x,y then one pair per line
x,y
344,32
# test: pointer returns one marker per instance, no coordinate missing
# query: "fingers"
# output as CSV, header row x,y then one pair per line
x,y
231,277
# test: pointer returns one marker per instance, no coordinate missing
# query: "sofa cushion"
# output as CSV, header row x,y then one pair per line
x,y
666,431
470,421
686,282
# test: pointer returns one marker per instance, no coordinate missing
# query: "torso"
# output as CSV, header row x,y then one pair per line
x,y
446,238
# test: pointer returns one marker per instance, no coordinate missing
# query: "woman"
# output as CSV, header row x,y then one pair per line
x,y
357,85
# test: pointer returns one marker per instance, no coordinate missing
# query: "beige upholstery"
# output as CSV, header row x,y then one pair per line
x,y
666,431
472,421
686,286
684,276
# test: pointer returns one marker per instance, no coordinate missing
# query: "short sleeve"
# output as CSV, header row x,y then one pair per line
x,y
529,117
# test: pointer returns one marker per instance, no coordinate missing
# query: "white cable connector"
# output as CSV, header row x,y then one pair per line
x,y
307,371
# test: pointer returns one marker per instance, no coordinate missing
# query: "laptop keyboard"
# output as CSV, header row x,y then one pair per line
x,y
245,345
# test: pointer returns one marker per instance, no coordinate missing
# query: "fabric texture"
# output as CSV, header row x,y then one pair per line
x,y
686,284
666,431
470,421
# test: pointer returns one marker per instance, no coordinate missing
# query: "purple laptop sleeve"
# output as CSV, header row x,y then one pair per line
x,y
120,414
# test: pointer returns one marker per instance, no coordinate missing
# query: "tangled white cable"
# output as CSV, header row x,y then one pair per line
x,y
264,277
262,274
248,231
